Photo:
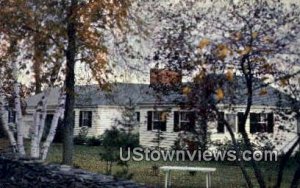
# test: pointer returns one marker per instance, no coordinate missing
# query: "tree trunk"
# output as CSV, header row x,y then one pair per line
x,y
249,83
295,181
38,60
235,144
39,124
19,120
283,162
70,85
44,113
58,113
34,152
10,134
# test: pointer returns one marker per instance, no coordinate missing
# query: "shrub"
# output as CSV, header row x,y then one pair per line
x,y
112,141
2,131
81,138
93,141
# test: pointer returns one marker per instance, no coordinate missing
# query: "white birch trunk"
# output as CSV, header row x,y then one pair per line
x,y
34,153
4,123
19,120
39,124
58,113
44,113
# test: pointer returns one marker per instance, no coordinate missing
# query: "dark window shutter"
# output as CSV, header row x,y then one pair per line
x,y
149,120
192,119
163,126
90,118
80,119
240,119
220,127
176,121
270,122
254,119
138,116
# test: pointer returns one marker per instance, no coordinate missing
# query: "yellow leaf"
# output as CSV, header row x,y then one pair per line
x,y
222,51
246,51
200,76
267,39
237,36
219,94
254,35
203,43
186,90
283,82
229,75
263,91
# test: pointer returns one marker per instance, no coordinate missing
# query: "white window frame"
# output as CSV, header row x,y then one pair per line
x,y
181,120
158,120
85,117
235,122
263,120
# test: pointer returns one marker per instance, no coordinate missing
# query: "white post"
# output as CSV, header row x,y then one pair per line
x,y
168,179
208,180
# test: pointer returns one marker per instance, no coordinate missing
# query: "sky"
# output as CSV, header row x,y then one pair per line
x,y
123,72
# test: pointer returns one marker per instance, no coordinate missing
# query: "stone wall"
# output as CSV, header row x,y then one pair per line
x,y
21,173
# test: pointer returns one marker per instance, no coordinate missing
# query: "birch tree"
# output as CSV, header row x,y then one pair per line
x,y
65,31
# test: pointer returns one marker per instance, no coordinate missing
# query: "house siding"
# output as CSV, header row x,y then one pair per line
x,y
286,138
104,117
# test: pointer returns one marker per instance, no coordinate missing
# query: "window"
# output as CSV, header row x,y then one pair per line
x,y
261,122
85,118
184,121
231,119
11,116
157,120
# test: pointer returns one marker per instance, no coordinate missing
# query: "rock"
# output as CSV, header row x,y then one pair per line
x,y
16,173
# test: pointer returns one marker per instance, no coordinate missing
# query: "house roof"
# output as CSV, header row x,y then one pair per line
x,y
92,95
123,93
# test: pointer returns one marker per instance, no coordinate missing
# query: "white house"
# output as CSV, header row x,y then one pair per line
x,y
99,111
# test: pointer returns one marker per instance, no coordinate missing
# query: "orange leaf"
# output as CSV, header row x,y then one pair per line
x,y
229,75
219,94
263,91
246,51
186,90
203,43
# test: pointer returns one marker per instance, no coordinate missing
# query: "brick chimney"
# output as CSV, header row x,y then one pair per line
x,y
165,77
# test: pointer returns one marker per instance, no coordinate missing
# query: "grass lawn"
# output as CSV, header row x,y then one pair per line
x,y
227,175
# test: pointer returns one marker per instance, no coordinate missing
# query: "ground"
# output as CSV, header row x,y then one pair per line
x,y
227,174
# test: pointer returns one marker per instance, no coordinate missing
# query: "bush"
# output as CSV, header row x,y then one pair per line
x,y
78,140
112,141
2,131
115,138
93,141
81,138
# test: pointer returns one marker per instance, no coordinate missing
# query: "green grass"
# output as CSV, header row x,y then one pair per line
x,y
227,175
